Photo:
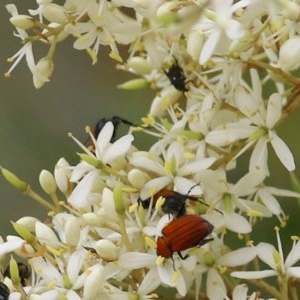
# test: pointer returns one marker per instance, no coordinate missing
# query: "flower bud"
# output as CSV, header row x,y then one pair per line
x,y
107,249
72,231
22,21
291,10
24,233
46,235
44,69
62,174
93,219
93,283
54,13
41,2
289,54
119,201
14,180
14,272
174,12
47,182
134,84
137,178
140,65
133,296
28,222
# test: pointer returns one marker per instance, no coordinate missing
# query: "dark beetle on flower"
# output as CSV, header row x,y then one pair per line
x,y
116,121
175,203
4,291
24,273
177,77
183,233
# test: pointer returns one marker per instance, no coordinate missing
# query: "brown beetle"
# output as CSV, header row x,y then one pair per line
x,y
185,232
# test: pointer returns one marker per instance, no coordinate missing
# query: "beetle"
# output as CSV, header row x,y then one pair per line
x,y
177,77
116,121
24,273
4,291
183,233
175,203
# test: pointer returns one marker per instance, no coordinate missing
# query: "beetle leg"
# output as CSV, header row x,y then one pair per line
x,y
181,256
203,242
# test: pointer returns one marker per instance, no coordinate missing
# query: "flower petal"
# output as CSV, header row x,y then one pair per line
x,y
215,286
238,257
237,223
259,156
118,148
254,274
225,137
293,256
282,151
294,272
273,110
265,252
79,196
248,182
136,260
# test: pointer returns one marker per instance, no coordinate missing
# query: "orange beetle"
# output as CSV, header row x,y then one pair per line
x,y
185,232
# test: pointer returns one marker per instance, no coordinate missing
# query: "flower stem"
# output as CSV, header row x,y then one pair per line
x,y
268,288
293,290
291,106
265,66
124,234
284,287
39,199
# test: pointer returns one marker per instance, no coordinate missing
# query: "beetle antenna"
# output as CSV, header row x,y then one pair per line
x,y
192,187
197,198
207,205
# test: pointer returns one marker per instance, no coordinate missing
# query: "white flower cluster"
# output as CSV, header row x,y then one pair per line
x,y
221,70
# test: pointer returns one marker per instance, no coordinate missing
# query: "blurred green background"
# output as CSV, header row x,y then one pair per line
x,y
34,123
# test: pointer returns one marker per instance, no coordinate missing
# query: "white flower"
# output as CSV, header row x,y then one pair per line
x,y
38,76
212,262
230,198
267,194
107,152
86,174
289,54
219,28
274,258
106,27
264,119
173,168
26,51
257,126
